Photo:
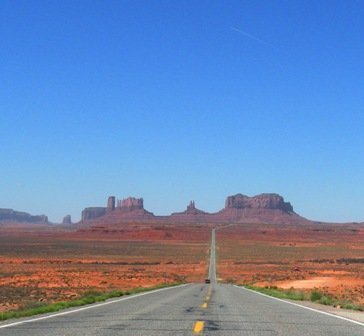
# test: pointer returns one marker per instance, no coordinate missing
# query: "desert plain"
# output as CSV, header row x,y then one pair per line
x,y
44,264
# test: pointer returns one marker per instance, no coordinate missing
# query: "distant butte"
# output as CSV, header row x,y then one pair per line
x,y
264,208
12,216
67,220
268,208
191,210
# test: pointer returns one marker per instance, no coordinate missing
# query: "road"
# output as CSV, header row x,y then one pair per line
x,y
193,309
212,264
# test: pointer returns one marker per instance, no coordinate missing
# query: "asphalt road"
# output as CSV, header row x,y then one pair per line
x,y
212,264
205,309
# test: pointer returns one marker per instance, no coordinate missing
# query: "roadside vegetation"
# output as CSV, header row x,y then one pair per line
x,y
313,296
35,308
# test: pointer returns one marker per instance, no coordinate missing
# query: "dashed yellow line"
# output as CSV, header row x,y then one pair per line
x,y
208,297
198,326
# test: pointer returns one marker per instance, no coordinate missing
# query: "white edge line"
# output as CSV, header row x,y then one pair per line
x,y
298,305
89,307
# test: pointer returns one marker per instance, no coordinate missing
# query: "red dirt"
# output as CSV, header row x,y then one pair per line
x,y
53,266
327,257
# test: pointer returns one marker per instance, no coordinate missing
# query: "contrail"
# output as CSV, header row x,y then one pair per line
x,y
252,37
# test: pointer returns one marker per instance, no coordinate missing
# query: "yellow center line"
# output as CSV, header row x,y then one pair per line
x,y
198,326
209,293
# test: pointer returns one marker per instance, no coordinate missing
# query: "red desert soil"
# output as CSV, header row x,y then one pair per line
x,y
323,256
51,265
43,264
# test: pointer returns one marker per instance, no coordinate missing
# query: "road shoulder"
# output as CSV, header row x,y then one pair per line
x,y
347,313
353,316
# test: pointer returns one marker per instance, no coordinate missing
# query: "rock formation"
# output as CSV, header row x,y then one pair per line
x,y
191,210
239,208
92,213
111,203
191,207
128,209
264,208
67,220
10,215
263,201
131,204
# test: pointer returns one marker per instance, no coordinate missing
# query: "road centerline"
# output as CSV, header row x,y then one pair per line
x,y
198,327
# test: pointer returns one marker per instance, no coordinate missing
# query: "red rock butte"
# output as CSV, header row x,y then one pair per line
x,y
263,208
12,216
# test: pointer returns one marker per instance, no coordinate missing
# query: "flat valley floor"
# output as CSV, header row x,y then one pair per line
x,y
41,265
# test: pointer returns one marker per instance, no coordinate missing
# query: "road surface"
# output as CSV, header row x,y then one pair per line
x,y
212,264
193,309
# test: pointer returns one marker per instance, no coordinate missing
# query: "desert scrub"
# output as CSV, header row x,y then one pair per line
x,y
90,297
314,296
290,294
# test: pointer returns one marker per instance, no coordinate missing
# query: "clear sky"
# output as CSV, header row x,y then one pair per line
x,y
182,100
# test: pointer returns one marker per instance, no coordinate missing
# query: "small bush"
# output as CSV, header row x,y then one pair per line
x,y
295,295
32,305
349,305
315,296
327,300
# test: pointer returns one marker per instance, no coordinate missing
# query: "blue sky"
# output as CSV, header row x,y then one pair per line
x,y
181,100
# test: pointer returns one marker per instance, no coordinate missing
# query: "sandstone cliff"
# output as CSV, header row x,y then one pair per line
x,y
128,209
67,220
92,213
264,208
10,215
263,201
131,208
190,210
239,208
131,204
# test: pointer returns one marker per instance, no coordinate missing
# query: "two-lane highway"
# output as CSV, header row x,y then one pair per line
x,y
194,309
